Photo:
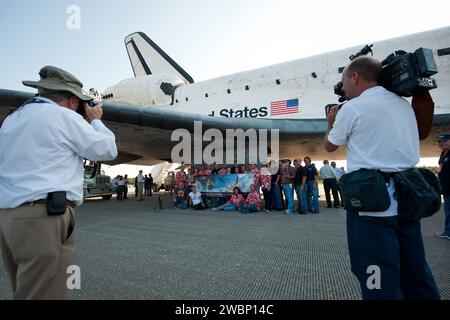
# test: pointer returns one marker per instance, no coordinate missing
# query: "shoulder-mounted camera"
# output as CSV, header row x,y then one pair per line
x,y
404,73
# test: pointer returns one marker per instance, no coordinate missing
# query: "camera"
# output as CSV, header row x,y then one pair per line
x,y
81,110
404,73
331,105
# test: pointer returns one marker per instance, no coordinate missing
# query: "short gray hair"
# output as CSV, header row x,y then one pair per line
x,y
367,67
56,96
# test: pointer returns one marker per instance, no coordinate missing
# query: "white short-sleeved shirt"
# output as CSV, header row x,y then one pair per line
x,y
195,197
380,131
327,172
42,146
339,172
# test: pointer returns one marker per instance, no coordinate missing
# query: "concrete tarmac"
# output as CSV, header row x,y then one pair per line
x,y
127,250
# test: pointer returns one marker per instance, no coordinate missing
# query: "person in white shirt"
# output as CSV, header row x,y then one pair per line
x,y
329,184
140,186
42,146
380,131
114,183
196,198
339,173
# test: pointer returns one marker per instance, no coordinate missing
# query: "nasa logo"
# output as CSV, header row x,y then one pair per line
x,y
243,113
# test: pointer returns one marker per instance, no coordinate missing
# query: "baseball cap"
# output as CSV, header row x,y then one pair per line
x,y
443,137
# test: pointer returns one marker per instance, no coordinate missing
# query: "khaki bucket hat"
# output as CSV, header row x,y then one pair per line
x,y
53,78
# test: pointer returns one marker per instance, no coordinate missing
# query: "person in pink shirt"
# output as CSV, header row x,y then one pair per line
x,y
190,178
234,203
266,182
207,171
180,177
253,202
201,171
256,176
204,171
222,170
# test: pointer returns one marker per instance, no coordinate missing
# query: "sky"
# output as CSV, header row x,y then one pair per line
x,y
208,38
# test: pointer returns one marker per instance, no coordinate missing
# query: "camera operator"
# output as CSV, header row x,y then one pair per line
x,y
380,131
42,146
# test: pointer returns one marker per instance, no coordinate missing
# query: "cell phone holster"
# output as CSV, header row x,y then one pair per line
x,y
56,203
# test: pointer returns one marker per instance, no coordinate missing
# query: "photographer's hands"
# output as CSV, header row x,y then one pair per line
x,y
93,113
331,116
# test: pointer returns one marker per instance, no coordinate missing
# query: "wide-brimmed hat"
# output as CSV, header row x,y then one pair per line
x,y
53,78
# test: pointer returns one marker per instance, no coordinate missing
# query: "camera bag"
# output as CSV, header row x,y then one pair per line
x,y
418,193
365,190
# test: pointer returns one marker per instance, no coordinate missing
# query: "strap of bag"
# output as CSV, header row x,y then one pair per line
x,y
423,106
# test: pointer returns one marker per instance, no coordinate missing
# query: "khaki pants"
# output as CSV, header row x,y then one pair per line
x,y
36,250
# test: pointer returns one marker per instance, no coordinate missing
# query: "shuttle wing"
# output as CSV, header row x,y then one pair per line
x,y
143,134
167,119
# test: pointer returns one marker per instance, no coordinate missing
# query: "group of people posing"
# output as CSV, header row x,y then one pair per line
x,y
277,184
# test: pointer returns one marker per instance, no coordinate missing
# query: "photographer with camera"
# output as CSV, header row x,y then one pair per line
x,y
380,132
42,146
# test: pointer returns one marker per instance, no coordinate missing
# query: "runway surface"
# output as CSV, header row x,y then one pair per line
x,y
126,250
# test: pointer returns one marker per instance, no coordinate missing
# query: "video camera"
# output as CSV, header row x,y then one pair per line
x,y
404,73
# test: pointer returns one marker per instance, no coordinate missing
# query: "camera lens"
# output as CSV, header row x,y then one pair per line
x,y
338,88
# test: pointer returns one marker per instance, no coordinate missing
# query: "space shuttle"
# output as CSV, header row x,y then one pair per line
x,y
290,97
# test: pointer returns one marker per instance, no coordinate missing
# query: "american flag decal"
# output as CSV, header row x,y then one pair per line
x,y
284,107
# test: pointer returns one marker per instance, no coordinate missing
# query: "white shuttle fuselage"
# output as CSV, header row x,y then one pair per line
x,y
254,93
144,111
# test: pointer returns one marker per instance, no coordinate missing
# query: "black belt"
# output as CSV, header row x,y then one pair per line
x,y
44,201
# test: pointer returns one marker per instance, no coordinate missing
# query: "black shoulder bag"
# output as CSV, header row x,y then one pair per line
x,y
365,190
418,193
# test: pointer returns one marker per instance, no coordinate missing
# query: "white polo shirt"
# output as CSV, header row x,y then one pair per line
x,y
380,131
42,146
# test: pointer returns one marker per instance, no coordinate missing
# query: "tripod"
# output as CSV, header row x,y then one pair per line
x,y
158,204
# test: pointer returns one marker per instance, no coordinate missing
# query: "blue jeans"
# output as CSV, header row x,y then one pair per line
x,y
276,196
397,249
179,203
247,209
311,192
289,196
447,215
301,199
227,207
120,192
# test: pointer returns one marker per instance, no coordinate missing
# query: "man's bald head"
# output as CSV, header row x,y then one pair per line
x,y
361,74
368,68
